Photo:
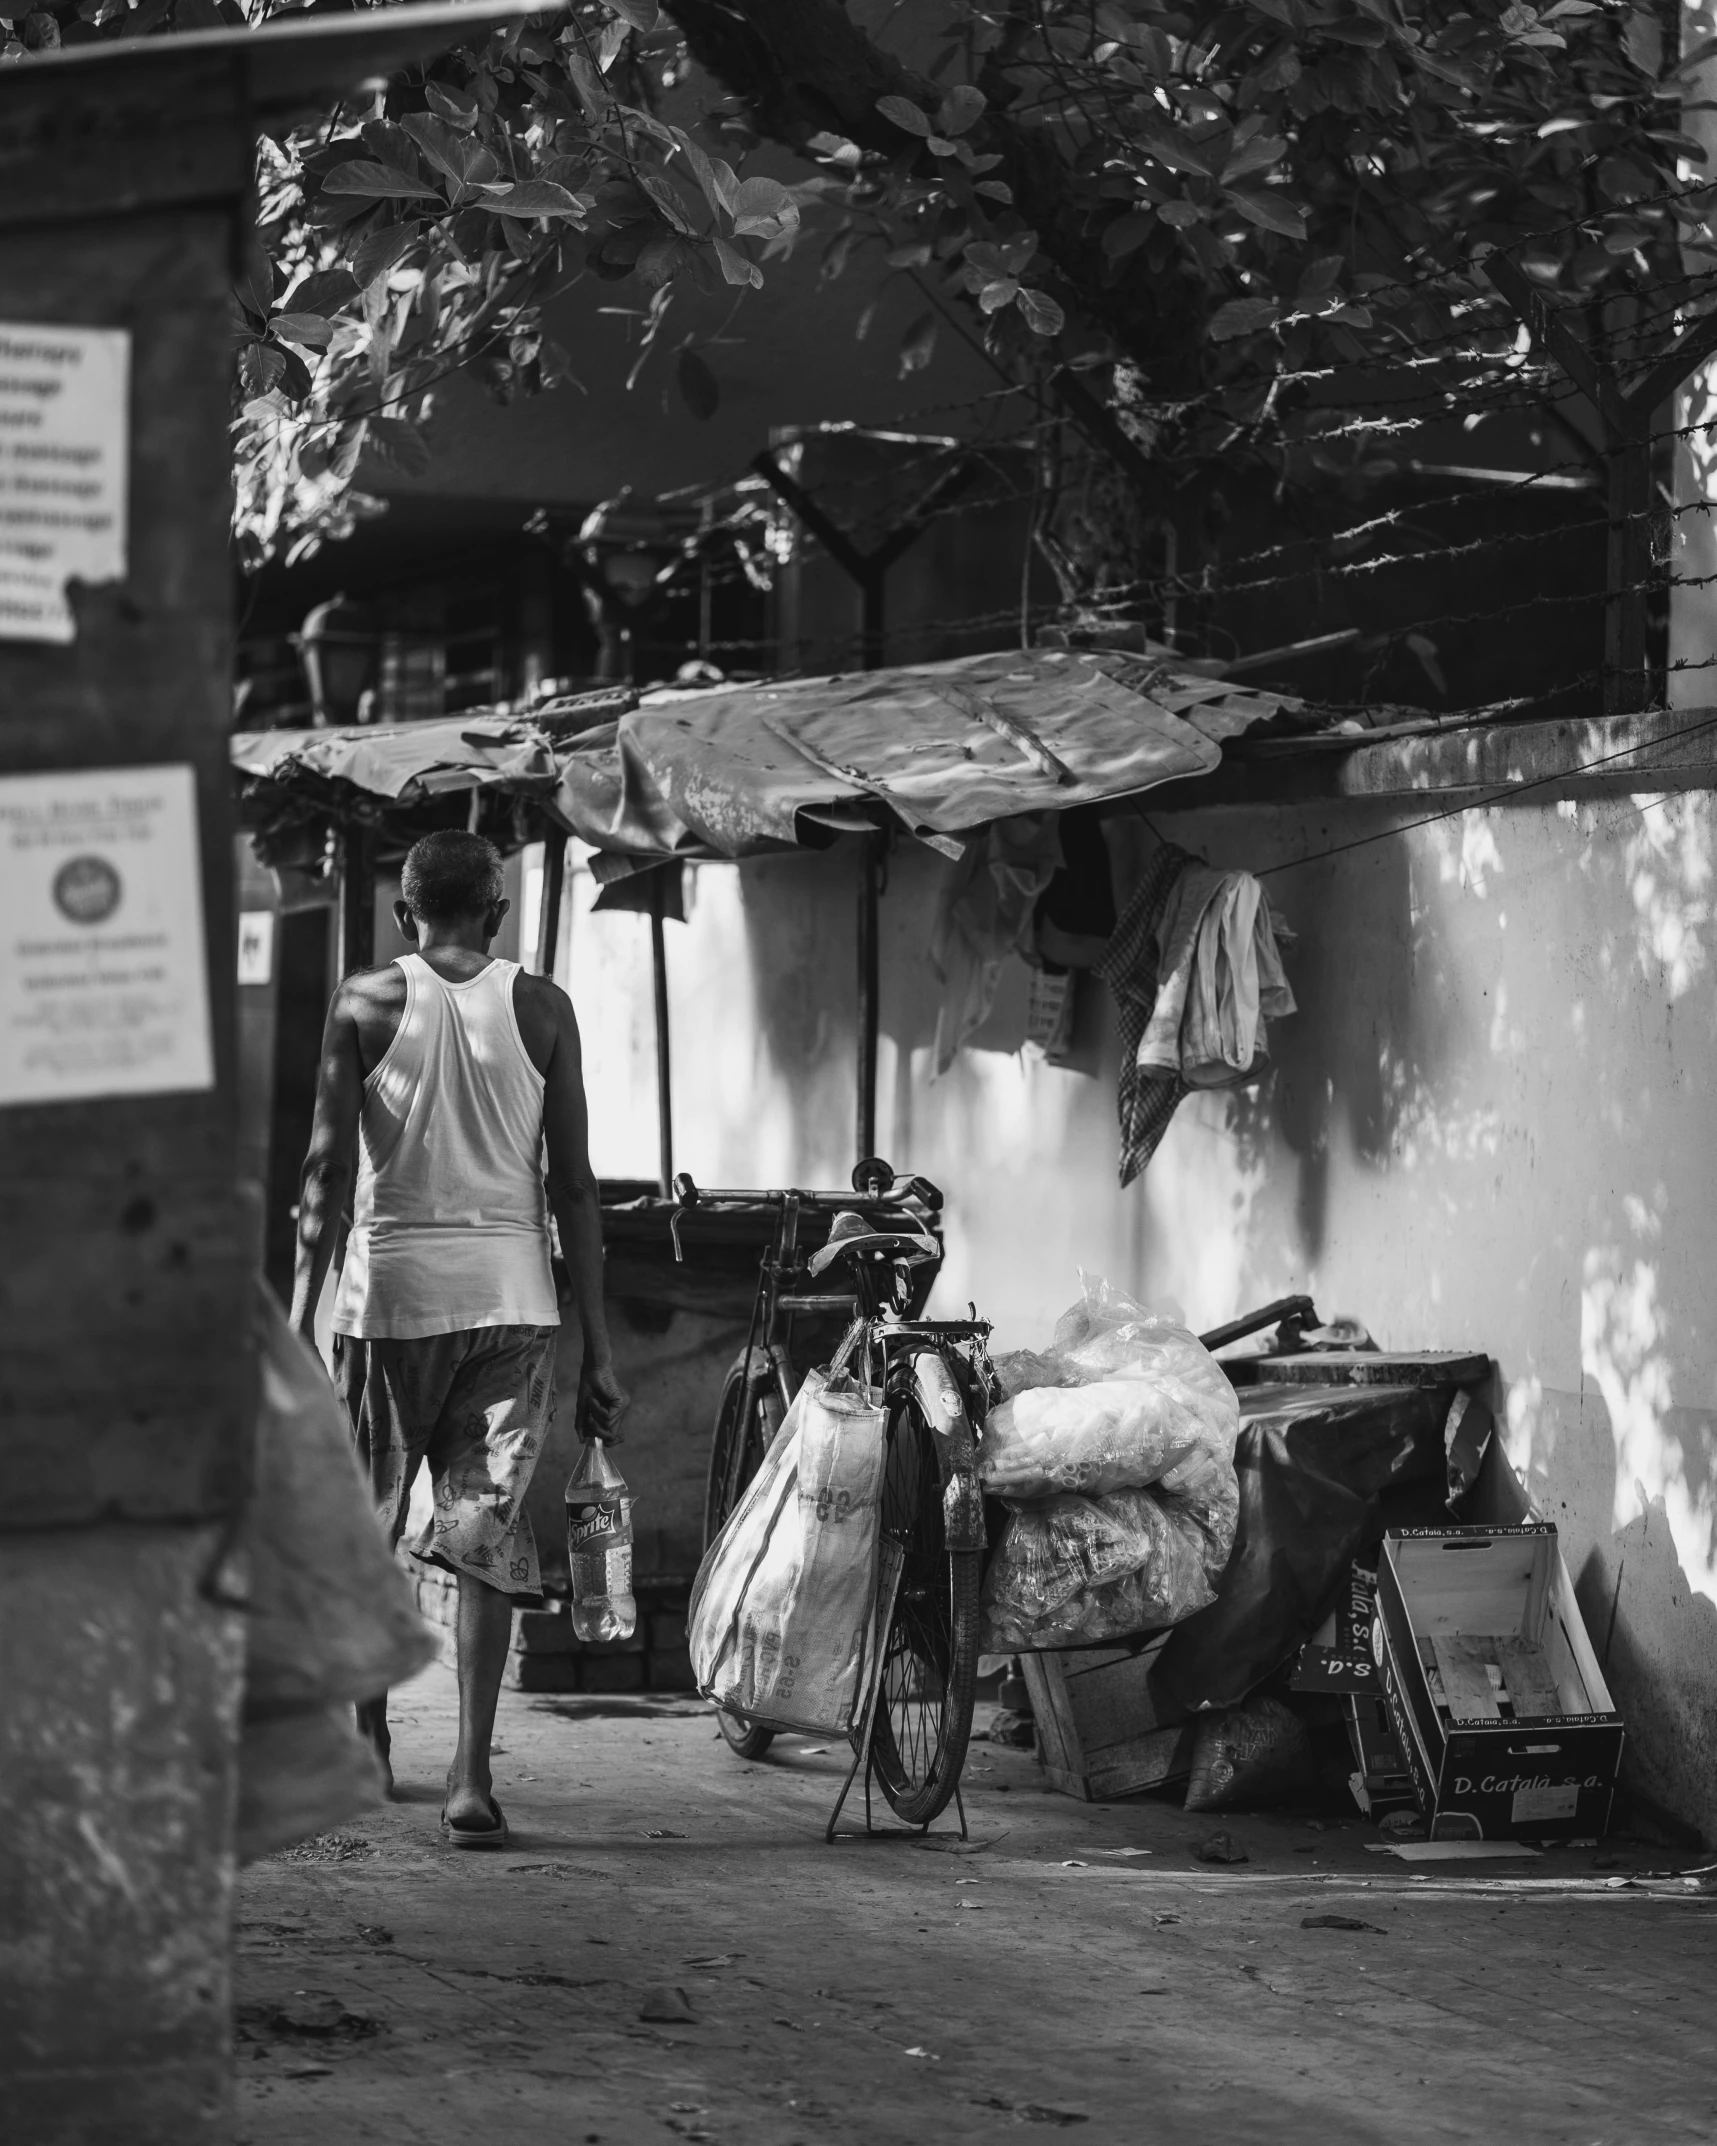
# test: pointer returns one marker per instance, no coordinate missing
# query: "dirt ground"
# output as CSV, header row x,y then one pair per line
x,y
1069,1966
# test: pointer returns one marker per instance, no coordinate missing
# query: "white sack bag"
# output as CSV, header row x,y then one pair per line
x,y
782,1614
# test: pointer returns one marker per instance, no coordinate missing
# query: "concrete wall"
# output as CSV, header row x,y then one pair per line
x,y
1490,1125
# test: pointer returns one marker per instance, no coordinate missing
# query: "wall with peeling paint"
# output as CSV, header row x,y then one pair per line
x,y
1491,1125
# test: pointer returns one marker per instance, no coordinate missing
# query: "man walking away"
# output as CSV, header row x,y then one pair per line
x,y
451,1073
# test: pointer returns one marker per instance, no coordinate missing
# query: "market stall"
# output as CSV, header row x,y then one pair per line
x,y
978,760
931,753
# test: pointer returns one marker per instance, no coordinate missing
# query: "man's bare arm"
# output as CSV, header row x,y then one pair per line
x,y
327,1174
577,1202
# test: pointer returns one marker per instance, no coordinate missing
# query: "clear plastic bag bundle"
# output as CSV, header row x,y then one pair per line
x,y
1115,1448
783,1612
1074,1572
1121,1400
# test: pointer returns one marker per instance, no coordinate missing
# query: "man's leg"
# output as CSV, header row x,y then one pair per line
x,y
484,1632
494,1418
373,1728
389,1458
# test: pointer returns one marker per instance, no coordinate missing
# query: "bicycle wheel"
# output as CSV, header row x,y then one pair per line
x,y
930,1657
745,1423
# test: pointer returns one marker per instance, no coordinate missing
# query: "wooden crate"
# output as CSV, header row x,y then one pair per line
x,y
1101,1731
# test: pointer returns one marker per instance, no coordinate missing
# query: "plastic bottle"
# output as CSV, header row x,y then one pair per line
x,y
599,1545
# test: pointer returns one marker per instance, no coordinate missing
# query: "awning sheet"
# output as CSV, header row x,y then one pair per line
x,y
409,759
940,748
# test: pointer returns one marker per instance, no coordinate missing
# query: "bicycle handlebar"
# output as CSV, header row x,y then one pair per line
x,y
907,1193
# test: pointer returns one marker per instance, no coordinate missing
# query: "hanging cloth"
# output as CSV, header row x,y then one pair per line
x,y
985,915
1147,1096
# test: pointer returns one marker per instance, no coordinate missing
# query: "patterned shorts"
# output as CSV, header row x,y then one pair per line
x,y
477,1406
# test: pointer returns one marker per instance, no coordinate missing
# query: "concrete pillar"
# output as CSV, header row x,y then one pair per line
x,y
121,1681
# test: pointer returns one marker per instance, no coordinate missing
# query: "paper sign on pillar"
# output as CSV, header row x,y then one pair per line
x,y
103,969
63,454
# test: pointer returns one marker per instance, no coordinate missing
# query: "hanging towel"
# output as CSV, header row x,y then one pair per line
x,y
1147,1096
1220,976
1189,900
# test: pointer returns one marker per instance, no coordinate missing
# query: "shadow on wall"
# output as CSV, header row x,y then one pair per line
x,y
1378,1019
1657,1640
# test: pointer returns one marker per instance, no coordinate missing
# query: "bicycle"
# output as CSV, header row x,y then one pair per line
x,y
936,1384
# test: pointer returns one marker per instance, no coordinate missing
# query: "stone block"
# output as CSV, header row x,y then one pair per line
x,y
671,1670
667,1631
612,1672
543,1672
543,1632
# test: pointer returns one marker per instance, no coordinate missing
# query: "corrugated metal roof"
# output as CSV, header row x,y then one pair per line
x,y
940,749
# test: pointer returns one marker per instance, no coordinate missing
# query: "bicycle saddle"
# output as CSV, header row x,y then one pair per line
x,y
849,1233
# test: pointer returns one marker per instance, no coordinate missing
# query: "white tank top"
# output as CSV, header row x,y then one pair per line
x,y
449,1220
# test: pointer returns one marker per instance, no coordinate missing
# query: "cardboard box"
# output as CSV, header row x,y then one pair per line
x,y
1337,1660
1497,1701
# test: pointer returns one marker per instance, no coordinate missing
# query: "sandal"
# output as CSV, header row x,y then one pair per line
x,y
495,1836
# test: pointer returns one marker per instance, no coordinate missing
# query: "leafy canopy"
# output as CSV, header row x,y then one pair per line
x,y
1224,204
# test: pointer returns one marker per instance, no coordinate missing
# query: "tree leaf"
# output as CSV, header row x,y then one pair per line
x,y
1258,154
533,197
641,14
918,345
379,182
904,113
447,148
1270,211
1242,316
1040,313
714,176
455,105
960,110
735,267
324,290
661,192
1176,150
310,329
554,364
700,391
993,296
259,368
1425,649
1128,232
382,250
1642,41
762,208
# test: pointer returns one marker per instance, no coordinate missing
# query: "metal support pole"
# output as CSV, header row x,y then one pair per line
x,y
873,619
869,570
554,882
870,888
1626,420
664,1081
357,899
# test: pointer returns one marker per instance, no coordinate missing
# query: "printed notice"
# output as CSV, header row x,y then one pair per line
x,y
64,398
103,985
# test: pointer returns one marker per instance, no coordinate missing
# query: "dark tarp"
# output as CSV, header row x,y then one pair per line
x,y
1323,1470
